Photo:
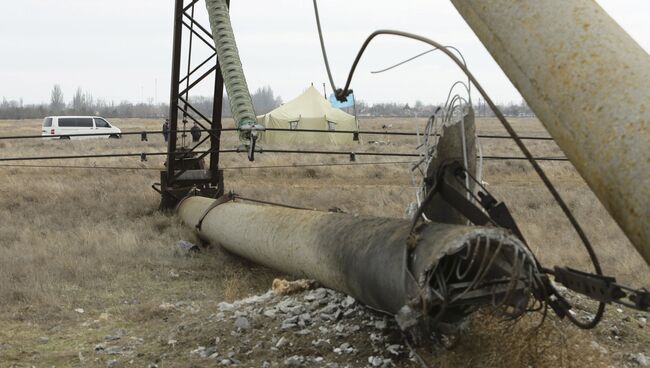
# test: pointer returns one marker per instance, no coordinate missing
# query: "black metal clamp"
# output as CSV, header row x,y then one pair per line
x,y
251,132
602,288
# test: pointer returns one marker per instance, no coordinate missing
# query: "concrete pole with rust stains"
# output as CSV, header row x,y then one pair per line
x,y
588,82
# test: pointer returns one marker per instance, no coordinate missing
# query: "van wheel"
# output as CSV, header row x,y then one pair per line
x,y
65,137
114,136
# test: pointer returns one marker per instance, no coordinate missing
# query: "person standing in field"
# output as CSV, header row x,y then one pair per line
x,y
165,130
196,132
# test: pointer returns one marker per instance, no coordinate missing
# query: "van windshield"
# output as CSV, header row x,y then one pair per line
x,y
47,122
76,122
101,123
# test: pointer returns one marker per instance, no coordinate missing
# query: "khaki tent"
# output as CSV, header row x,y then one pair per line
x,y
307,111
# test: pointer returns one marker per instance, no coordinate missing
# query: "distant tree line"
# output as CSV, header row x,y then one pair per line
x,y
264,100
83,103
419,109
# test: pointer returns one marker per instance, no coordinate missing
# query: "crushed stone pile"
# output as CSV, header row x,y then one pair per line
x,y
319,327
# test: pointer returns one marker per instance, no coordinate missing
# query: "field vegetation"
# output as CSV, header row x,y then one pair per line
x,y
84,252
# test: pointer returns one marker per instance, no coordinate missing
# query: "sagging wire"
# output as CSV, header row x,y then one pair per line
x,y
129,168
275,204
230,168
419,55
288,130
274,151
460,54
141,133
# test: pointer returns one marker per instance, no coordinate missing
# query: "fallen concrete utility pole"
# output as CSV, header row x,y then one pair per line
x,y
589,83
435,275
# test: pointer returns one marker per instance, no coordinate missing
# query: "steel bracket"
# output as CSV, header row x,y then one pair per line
x,y
492,211
602,288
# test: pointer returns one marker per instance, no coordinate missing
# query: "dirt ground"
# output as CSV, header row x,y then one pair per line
x,y
90,274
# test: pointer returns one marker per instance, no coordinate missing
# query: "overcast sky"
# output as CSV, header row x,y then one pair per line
x,y
121,49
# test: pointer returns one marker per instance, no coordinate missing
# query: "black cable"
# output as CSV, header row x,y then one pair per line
x,y
515,137
515,158
317,152
404,62
69,157
109,134
322,47
399,154
232,168
530,138
361,132
79,167
109,155
375,132
378,132
296,166
315,165
278,151
237,196
417,56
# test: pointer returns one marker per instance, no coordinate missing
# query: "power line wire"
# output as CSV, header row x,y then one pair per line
x,y
129,168
351,154
145,154
231,168
360,132
147,132
264,167
317,165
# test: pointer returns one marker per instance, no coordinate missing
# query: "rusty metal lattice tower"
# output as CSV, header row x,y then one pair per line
x,y
185,168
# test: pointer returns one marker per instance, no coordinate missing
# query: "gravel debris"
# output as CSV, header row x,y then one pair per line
x,y
316,327
640,359
241,323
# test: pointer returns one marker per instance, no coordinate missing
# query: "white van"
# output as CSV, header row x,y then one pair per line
x,y
66,127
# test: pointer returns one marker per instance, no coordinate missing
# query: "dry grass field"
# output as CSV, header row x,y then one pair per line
x,y
92,239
